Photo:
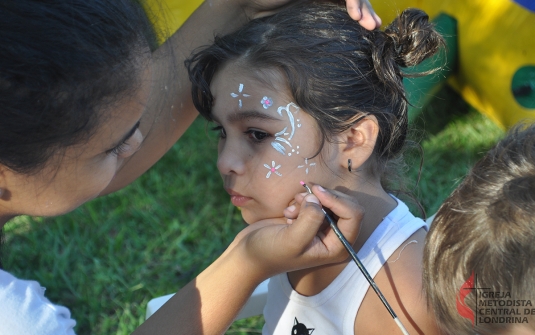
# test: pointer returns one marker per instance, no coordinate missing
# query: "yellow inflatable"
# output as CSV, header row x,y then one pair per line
x,y
496,53
169,15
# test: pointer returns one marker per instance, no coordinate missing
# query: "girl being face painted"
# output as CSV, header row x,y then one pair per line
x,y
267,142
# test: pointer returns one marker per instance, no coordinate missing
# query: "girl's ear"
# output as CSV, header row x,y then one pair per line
x,y
359,141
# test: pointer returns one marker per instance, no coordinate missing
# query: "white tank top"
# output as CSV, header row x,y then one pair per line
x,y
333,310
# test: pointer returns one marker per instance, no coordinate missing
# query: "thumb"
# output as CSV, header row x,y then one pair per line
x,y
305,228
345,207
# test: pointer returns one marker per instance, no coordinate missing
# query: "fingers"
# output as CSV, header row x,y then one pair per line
x,y
309,220
362,11
291,212
353,9
348,211
369,19
274,248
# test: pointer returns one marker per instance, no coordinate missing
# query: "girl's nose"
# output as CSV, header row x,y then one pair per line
x,y
230,159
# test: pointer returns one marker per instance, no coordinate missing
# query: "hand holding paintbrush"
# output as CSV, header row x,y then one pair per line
x,y
355,258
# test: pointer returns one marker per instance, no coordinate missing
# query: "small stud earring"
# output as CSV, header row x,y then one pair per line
x,y
349,165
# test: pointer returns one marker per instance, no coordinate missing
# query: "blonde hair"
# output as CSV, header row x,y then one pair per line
x,y
487,228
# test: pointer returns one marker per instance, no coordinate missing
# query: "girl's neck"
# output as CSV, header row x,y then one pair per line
x,y
378,204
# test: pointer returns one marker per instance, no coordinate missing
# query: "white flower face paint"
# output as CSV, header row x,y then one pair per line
x,y
273,169
283,136
235,95
266,102
306,166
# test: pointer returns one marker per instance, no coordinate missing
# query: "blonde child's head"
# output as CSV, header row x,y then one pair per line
x,y
482,241
307,94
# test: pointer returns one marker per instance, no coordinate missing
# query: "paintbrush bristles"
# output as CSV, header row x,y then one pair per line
x,y
306,186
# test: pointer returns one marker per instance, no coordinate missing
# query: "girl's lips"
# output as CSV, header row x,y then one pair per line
x,y
239,200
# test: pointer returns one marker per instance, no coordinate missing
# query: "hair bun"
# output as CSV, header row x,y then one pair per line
x,y
406,42
412,38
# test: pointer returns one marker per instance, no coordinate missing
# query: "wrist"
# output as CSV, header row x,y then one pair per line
x,y
241,256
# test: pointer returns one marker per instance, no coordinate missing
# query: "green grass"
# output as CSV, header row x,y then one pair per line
x,y
107,259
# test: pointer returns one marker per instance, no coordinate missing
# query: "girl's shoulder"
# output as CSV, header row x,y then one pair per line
x,y
400,281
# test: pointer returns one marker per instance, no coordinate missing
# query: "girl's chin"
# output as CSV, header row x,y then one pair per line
x,y
250,218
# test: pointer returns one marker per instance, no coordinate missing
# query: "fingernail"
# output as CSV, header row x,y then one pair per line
x,y
291,208
312,198
321,189
304,194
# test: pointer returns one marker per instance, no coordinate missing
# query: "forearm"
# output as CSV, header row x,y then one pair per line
x,y
170,110
208,304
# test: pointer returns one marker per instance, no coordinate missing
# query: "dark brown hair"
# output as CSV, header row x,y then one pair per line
x,y
486,227
336,70
61,64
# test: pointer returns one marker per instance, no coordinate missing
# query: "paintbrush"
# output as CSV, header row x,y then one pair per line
x,y
353,254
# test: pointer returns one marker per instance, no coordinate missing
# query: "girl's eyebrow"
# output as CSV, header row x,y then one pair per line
x,y
247,115
128,135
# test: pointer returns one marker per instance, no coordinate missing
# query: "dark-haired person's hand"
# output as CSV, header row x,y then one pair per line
x,y
362,11
273,246
209,303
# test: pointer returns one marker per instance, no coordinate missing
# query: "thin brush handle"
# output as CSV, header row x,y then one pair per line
x,y
353,254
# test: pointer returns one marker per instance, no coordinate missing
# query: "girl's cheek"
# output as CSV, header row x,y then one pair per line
x,y
286,171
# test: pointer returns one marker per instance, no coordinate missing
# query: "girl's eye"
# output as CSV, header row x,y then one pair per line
x,y
220,131
120,150
129,146
257,135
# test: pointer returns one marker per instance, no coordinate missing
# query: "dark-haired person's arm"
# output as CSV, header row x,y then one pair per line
x,y
209,303
170,110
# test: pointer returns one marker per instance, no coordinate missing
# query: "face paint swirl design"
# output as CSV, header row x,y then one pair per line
x,y
235,95
280,137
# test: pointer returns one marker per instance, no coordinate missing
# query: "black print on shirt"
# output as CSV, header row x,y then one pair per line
x,y
301,329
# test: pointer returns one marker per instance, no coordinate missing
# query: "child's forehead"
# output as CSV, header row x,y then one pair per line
x,y
235,76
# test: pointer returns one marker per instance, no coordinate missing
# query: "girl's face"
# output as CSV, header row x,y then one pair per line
x,y
265,143
83,171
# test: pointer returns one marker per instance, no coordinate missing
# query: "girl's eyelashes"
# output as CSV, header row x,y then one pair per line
x,y
257,136
120,150
127,147
220,131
